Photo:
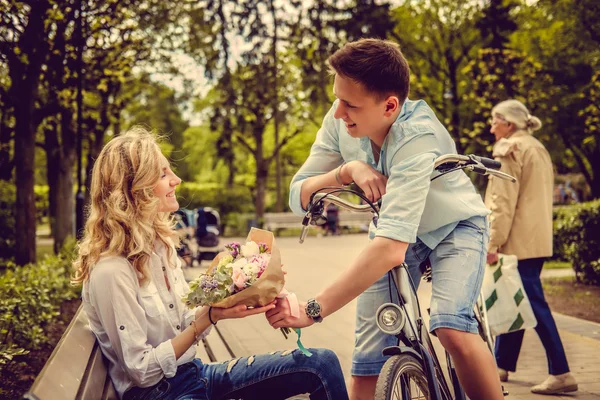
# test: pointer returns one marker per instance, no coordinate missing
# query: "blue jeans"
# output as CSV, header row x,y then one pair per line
x,y
508,345
274,376
457,265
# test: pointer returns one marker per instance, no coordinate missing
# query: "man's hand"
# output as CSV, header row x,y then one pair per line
x,y
492,258
367,178
281,316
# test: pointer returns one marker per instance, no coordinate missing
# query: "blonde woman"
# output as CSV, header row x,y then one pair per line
x,y
521,224
132,289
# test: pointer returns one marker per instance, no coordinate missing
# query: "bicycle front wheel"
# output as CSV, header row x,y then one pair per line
x,y
402,378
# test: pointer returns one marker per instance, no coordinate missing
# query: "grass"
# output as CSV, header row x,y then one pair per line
x,y
43,249
566,296
554,264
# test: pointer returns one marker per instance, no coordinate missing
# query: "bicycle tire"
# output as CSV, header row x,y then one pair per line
x,y
396,368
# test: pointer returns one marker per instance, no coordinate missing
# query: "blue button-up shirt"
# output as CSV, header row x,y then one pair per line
x,y
413,206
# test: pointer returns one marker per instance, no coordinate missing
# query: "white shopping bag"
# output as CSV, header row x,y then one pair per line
x,y
507,305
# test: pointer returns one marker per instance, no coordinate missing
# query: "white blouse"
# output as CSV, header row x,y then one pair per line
x,y
134,325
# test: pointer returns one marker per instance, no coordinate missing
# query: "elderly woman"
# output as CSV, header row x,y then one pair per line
x,y
521,224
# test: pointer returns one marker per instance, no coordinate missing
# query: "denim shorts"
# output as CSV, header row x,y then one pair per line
x,y
457,264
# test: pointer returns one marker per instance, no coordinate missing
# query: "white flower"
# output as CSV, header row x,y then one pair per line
x,y
239,264
251,269
250,249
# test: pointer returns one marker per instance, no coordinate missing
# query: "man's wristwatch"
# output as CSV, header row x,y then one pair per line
x,y
313,310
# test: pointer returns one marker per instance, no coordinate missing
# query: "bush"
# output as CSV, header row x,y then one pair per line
x,y
577,239
236,199
30,300
42,201
8,195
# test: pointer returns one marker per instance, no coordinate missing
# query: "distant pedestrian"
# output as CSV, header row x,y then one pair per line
x,y
332,218
521,224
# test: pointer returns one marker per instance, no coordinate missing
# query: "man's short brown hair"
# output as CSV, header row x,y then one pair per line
x,y
377,64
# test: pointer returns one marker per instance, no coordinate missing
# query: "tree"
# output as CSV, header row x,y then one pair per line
x,y
158,108
439,38
497,24
564,37
24,49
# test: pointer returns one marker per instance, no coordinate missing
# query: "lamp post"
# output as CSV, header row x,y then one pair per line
x,y
79,197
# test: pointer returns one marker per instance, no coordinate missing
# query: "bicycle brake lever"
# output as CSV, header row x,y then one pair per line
x,y
305,222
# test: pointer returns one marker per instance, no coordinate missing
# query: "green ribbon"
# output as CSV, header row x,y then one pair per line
x,y
303,349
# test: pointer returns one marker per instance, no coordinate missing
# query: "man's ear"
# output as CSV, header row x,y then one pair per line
x,y
391,105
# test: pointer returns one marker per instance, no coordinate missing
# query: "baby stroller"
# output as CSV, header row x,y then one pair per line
x,y
208,231
185,223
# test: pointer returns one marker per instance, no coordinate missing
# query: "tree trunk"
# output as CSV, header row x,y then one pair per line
x,y
6,164
24,161
278,175
262,174
25,80
61,159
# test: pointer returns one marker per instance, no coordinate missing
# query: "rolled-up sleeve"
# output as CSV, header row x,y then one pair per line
x,y
324,156
113,291
407,188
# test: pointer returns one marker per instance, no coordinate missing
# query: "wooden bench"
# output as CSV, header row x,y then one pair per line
x,y
274,221
349,219
77,369
346,219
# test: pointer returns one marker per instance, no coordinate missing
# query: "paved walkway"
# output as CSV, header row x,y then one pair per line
x,y
319,260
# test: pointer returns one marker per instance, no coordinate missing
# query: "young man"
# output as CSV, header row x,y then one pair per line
x,y
374,136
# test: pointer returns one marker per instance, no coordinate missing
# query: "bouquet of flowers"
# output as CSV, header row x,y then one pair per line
x,y
247,274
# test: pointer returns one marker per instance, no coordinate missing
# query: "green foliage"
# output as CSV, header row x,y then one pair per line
x,y
224,199
496,75
577,239
30,299
42,204
7,219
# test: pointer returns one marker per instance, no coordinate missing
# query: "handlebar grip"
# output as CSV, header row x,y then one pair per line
x,y
489,163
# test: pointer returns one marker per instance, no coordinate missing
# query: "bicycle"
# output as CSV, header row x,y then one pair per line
x,y
413,367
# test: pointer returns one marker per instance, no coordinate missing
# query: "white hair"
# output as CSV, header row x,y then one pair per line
x,y
516,113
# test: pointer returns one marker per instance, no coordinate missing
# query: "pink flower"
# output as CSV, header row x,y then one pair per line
x,y
239,278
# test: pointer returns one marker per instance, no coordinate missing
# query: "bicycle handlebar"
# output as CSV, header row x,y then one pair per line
x,y
443,164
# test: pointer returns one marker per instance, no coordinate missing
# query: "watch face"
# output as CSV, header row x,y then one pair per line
x,y
313,309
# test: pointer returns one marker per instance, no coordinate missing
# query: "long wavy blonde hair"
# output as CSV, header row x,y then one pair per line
x,y
124,218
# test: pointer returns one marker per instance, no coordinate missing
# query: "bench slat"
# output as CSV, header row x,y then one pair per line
x,y
62,375
109,391
216,346
92,387
201,352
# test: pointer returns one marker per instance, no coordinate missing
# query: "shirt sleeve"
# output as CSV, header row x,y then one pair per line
x,y
324,156
407,188
501,198
113,292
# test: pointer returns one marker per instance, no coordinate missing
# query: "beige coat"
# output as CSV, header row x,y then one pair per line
x,y
521,219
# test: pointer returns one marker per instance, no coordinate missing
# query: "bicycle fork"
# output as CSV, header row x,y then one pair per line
x,y
405,323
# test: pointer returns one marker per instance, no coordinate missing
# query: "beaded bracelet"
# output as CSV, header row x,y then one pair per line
x,y
196,334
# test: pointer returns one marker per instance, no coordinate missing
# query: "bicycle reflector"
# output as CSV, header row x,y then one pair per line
x,y
390,318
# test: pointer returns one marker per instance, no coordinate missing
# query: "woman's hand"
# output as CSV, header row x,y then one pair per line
x,y
492,258
367,178
239,311
281,316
